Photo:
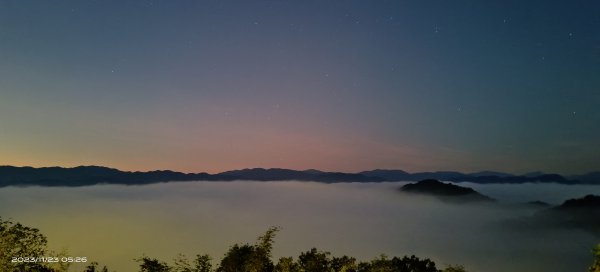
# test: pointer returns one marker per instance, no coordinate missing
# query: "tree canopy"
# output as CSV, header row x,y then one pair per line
x,y
596,264
17,240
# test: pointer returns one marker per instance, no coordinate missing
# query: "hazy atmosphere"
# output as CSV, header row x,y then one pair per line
x,y
338,85
115,224
157,127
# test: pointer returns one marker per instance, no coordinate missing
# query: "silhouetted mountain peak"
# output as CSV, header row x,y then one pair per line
x,y
582,213
446,191
586,202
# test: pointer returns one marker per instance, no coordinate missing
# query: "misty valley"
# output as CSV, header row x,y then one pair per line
x,y
299,136
495,230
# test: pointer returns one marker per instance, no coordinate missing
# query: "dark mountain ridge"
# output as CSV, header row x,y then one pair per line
x,y
582,213
591,202
480,177
91,175
275,174
445,191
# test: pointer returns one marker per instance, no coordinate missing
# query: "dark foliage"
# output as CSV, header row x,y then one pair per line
x,y
314,260
250,258
93,267
17,240
152,265
596,264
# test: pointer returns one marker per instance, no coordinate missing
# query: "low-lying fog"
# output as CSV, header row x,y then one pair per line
x,y
115,224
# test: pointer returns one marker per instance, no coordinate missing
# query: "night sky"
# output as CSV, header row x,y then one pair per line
x,y
334,85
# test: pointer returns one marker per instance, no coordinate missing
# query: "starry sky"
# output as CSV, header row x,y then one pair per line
x,y
335,85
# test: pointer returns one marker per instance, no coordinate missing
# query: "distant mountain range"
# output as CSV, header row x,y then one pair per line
x,y
91,175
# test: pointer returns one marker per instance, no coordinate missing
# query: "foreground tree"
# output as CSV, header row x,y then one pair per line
x,y
404,264
152,265
344,264
200,264
596,265
16,241
314,261
414,264
455,268
93,267
287,264
250,258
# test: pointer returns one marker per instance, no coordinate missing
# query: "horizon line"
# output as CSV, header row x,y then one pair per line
x,y
308,169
